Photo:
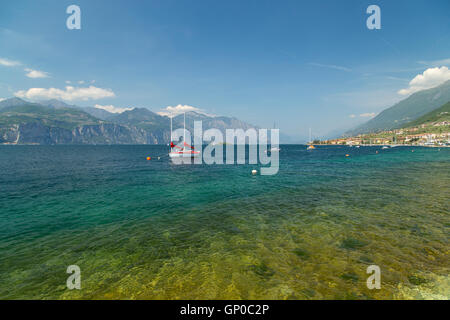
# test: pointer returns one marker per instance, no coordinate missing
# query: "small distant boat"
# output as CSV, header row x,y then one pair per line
x,y
385,147
356,146
187,151
274,149
311,146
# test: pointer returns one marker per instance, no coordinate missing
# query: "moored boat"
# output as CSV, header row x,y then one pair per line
x,y
186,151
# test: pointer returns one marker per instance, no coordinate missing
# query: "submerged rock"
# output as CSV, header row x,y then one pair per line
x,y
262,270
301,253
353,244
416,280
349,277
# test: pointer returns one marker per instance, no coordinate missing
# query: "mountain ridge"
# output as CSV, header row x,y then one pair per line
x,y
56,122
407,110
437,115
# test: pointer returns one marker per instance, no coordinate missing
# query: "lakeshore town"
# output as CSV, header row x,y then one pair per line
x,y
436,134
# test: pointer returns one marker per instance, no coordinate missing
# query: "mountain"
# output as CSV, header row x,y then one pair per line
x,y
221,123
96,112
33,112
59,123
156,126
407,110
438,115
218,122
56,104
99,113
141,117
12,102
33,123
55,122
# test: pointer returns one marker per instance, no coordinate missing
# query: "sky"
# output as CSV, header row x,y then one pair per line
x,y
296,64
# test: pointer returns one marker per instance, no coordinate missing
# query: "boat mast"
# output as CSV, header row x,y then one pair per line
x,y
184,130
310,142
170,132
170,128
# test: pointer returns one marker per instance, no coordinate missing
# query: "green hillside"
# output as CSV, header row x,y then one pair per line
x,y
438,115
142,118
407,110
35,113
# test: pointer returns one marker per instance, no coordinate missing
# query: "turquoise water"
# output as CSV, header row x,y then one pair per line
x,y
153,230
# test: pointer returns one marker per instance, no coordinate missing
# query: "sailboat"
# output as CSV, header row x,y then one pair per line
x,y
311,146
274,149
187,151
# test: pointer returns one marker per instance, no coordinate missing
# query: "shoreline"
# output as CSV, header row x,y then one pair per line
x,y
382,145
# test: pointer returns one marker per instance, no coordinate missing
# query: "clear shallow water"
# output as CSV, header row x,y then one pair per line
x,y
153,230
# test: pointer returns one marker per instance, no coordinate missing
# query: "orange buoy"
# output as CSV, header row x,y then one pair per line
x,y
149,158
347,155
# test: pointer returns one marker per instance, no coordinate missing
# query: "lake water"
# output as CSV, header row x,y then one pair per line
x,y
143,229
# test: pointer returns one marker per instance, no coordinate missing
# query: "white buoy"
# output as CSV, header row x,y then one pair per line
x,y
254,171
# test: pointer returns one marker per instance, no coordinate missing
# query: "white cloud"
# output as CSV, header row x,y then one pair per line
x,y
112,108
397,79
30,72
9,63
179,109
330,66
80,81
364,115
430,78
69,93
368,115
436,63
36,74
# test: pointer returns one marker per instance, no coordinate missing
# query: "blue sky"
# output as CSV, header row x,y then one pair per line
x,y
300,64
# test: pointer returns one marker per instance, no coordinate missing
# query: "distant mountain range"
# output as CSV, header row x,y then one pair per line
x,y
406,111
55,122
96,112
